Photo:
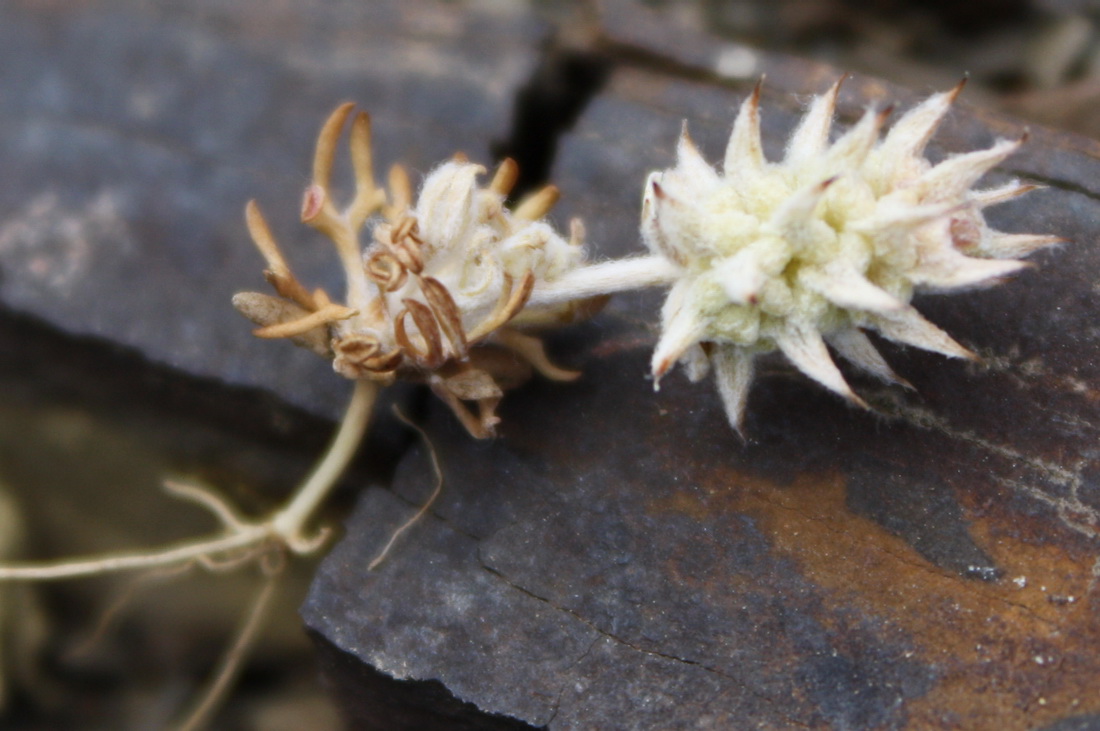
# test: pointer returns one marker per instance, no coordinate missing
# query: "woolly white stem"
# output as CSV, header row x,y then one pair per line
x,y
608,277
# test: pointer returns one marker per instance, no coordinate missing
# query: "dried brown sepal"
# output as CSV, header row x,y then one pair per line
x,y
505,178
404,243
511,302
532,350
473,384
278,272
536,205
446,313
326,315
401,190
362,356
265,310
431,356
325,153
369,198
386,271
482,427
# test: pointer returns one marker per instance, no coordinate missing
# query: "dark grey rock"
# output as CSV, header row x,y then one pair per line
x,y
641,567
134,133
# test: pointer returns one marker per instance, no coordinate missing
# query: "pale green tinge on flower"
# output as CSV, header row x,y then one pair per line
x,y
808,252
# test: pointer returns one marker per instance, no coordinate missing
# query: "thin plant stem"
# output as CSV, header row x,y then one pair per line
x,y
426,506
290,521
120,603
286,526
230,666
180,553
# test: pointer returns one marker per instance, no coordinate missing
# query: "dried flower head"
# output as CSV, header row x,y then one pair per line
x,y
814,249
439,278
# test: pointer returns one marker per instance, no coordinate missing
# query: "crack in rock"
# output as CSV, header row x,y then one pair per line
x,y
624,642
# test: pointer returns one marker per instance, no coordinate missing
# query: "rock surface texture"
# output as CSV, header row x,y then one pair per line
x,y
617,558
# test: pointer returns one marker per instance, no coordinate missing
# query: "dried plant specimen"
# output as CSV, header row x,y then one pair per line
x,y
790,256
444,286
439,278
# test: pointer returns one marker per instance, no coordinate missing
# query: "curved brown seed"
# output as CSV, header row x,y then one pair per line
x,y
446,313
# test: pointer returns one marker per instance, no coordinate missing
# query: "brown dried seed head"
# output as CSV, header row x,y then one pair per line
x,y
406,244
446,313
376,345
386,271
508,306
361,356
431,356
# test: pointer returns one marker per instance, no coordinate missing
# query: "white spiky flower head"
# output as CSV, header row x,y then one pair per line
x,y
812,250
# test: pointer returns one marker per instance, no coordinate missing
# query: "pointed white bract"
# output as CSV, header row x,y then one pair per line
x,y
830,241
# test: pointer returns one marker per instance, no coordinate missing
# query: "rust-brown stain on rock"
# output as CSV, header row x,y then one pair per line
x,y
1017,652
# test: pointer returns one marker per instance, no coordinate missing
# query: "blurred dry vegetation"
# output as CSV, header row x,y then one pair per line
x,y
1036,59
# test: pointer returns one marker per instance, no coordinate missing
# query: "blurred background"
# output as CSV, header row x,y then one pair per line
x,y
1036,59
